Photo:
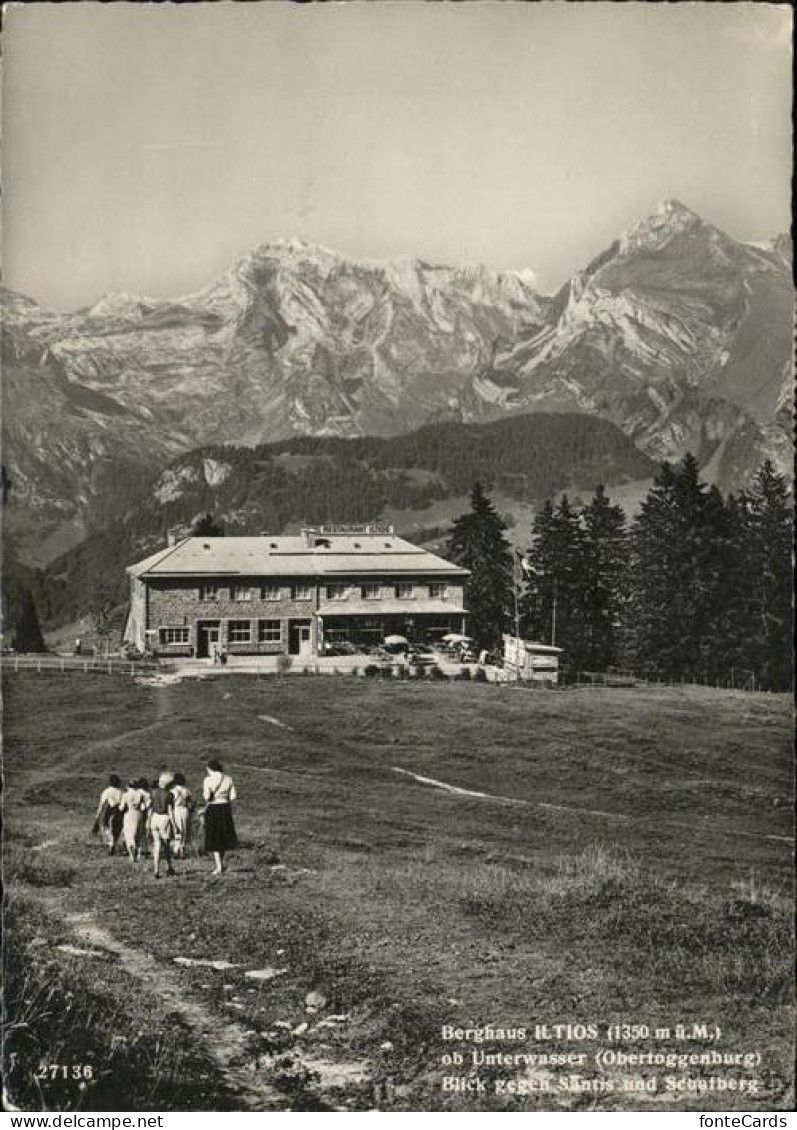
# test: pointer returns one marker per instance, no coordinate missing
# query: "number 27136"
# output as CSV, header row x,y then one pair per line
x,y
65,1071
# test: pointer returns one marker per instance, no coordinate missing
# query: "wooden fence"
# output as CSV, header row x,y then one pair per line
x,y
736,679
63,663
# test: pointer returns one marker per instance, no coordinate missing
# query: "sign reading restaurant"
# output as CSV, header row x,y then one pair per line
x,y
293,594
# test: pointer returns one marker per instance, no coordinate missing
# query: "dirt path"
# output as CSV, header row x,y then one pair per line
x,y
226,1042
496,798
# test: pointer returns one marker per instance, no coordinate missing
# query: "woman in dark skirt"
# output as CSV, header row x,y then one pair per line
x,y
219,793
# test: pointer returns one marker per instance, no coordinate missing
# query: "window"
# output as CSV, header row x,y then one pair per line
x,y
371,592
173,635
437,591
208,592
404,592
239,631
269,631
240,593
302,592
270,592
337,592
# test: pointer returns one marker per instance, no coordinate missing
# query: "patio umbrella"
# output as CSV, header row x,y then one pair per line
x,y
455,637
392,640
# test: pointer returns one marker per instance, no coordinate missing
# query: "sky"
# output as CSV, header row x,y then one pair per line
x,y
147,146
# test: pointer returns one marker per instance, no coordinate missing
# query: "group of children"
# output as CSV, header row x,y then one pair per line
x,y
163,811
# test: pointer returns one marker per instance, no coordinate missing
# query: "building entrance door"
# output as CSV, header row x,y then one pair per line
x,y
299,639
208,634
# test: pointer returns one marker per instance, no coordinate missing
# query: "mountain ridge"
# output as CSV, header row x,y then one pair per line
x,y
676,333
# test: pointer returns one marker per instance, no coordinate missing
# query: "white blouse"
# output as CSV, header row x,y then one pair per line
x,y
135,800
218,788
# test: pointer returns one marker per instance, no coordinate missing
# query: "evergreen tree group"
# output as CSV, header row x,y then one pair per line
x,y
575,590
698,587
478,543
710,581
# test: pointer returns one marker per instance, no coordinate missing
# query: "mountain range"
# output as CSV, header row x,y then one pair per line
x,y
677,334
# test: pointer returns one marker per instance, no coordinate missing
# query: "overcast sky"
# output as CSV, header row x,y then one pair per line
x,y
146,146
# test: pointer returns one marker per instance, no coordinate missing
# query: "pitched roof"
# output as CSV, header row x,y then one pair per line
x,y
294,555
150,562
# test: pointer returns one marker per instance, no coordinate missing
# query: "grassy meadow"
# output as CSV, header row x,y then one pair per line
x,y
631,864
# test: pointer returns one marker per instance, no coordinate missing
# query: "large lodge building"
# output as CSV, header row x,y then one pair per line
x,y
295,594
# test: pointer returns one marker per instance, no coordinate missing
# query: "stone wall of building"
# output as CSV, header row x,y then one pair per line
x,y
353,603
176,603
173,604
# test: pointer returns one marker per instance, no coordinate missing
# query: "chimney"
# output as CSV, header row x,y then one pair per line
x,y
172,536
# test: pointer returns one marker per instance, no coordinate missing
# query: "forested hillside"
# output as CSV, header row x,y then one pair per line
x,y
277,487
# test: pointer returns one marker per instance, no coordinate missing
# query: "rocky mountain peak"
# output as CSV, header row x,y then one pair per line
x,y
684,346
782,246
670,219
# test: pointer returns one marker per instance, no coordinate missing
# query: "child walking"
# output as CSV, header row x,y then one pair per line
x,y
161,824
183,807
135,802
109,812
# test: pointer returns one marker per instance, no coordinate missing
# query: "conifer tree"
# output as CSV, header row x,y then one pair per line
x,y
733,615
20,619
478,543
675,573
25,631
553,602
538,599
206,526
767,546
604,581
